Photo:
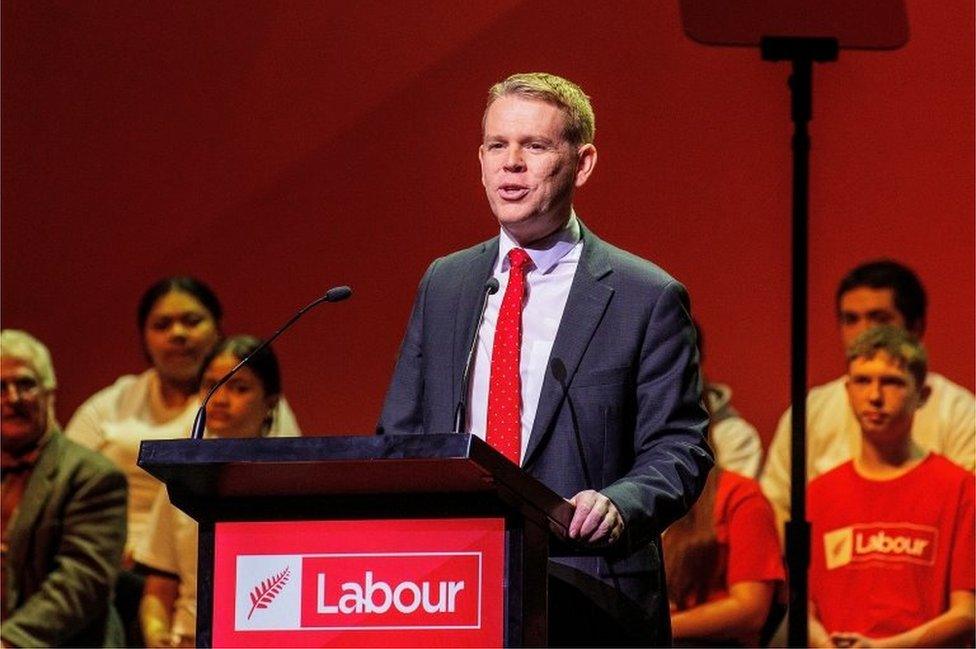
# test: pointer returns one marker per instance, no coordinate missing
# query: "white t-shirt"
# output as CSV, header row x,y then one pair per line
x,y
114,421
946,424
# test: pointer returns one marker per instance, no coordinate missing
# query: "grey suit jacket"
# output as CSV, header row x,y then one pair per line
x,y
65,548
628,345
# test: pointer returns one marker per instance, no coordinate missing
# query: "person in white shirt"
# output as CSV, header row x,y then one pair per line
x,y
179,323
875,293
179,320
246,406
735,441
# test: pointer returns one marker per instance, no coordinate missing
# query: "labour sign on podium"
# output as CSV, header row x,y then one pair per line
x,y
393,583
370,541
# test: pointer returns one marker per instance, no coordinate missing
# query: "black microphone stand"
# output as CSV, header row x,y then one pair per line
x,y
802,52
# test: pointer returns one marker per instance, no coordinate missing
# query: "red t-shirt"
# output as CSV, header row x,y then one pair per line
x,y
746,531
885,554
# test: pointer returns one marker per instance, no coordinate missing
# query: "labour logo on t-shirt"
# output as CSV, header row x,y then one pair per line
x,y
891,542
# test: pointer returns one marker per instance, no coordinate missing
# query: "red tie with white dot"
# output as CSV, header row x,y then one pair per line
x,y
505,384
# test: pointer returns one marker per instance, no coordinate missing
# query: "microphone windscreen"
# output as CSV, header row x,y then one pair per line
x,y
337,293
491,286
558,370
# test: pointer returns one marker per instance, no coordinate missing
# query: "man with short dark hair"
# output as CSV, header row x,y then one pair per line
x,y
892,529
574,319
876,293
63,515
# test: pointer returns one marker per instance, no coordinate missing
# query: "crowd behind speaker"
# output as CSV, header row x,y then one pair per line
x,y
890,441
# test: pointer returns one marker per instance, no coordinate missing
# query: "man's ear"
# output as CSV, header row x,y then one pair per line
x,y
585,161
923,395
481,162
52,421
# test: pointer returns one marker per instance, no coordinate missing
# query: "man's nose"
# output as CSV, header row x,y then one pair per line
x,y
11,392
874,393
514,160
859,327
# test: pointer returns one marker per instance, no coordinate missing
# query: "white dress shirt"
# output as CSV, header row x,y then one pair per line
x,y
547,284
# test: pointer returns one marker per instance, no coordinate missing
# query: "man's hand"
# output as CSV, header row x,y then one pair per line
x,y
596,520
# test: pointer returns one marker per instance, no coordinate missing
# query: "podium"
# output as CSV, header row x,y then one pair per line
x,y
397,540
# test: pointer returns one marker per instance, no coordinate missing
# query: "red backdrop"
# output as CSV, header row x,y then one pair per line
x,y
275,149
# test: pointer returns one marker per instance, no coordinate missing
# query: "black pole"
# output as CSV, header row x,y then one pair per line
x,y
798,528
802,52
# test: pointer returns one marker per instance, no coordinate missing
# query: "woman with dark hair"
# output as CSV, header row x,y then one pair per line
x,y
246,406
179,321
723,564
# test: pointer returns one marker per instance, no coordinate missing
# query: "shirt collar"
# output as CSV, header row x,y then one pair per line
x,y
545,253
28,459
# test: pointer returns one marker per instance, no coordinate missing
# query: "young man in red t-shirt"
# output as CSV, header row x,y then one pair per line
x,y
892,530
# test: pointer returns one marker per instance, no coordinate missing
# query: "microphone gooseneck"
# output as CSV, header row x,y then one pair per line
x,y
558,369
334,294
460,411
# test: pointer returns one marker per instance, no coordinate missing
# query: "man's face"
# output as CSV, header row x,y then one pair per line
x,y
528,168
23,406
864,307
884,397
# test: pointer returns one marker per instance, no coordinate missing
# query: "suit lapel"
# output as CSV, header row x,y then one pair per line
x,y
470,294
587,302
36,494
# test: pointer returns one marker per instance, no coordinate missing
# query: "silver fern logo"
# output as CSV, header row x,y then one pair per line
x,y
265,592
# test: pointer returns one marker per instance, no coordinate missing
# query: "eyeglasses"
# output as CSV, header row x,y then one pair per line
x,y
24,388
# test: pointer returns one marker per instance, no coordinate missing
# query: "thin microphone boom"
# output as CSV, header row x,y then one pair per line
x,y
335,294
558,369
491,287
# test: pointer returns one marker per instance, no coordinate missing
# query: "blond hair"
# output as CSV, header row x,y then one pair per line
x,y
552,89
898,343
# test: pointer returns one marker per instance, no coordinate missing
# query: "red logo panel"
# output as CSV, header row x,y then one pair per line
x,y
391,583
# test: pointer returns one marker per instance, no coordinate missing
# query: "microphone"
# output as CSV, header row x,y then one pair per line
x,y
558,369
334,294
491,287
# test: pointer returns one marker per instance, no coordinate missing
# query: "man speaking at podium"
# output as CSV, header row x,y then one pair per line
x,y
584,370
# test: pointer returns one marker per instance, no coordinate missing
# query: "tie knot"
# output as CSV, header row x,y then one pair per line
x,y
518,258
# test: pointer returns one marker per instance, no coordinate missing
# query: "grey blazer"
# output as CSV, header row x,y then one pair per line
x,y
628,345
65,548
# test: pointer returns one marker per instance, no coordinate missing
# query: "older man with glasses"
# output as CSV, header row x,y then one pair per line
x,y
63,515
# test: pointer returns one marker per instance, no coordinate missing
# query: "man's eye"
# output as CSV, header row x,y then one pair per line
x,y
494,146
893,382
22,386
159,325
192,320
